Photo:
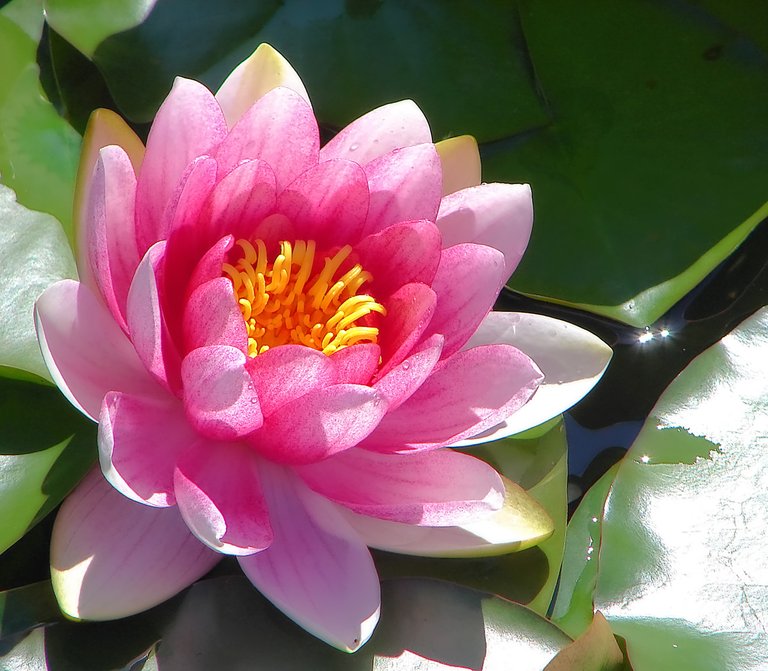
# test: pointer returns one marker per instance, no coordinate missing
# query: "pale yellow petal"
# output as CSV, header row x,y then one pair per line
x,y
461,163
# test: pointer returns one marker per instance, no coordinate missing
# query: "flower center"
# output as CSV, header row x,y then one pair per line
x,y
285,302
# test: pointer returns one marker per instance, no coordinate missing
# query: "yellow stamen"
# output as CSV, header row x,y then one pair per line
x,y
287,302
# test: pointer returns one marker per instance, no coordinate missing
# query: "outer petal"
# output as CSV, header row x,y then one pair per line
x,y
320,424
188,124
572,360
104,128
110,236
218,490
147,323
519,524
85,350
467,282
328,202
316,571
437,488
279,129
466,394
211,317
460,159
497,215
400,124
405,185
283,374
140,440
219,397
264,70
111,557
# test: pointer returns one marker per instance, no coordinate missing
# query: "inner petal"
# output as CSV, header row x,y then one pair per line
x,y
302,297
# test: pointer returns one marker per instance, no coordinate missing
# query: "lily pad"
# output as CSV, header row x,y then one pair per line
x,y
46,447
225,623
682,573
35,254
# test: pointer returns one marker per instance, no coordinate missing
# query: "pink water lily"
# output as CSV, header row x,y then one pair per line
x,y
274,338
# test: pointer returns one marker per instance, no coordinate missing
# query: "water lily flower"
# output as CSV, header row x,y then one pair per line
x,y
279,341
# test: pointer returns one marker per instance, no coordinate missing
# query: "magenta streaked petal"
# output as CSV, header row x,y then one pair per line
x,y
279,129
110,237
112,557
465,394
402,380
405,185
400,124
218,491
497,215
400,254
136,458
356,365
467,282
409,312
219,397
147,324
320,424
85,350
328,203
283,374
240,201
209,265
211,317
436,488
188,124
316,571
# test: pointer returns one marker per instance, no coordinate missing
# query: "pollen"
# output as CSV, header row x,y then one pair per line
x,y
301,298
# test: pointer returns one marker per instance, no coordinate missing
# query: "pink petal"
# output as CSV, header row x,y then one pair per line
x,y
409,311
402,380
218,491
263,71
140,440
85,350
519,524
572,360
400,124
316,570
497,215
104,128
460,160
357,364
279,129
147,323
466,394
211,317
319,424
219,398
436,488
283,374
467,282
112,557
400,254
188,124
110,237
240,201
405,185
328,202
210,263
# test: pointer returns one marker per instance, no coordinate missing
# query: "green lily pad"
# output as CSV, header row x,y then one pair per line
x,y
595,650
38,149
642,160
46,447
529,576
85,23
682,571
225,623
35,255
